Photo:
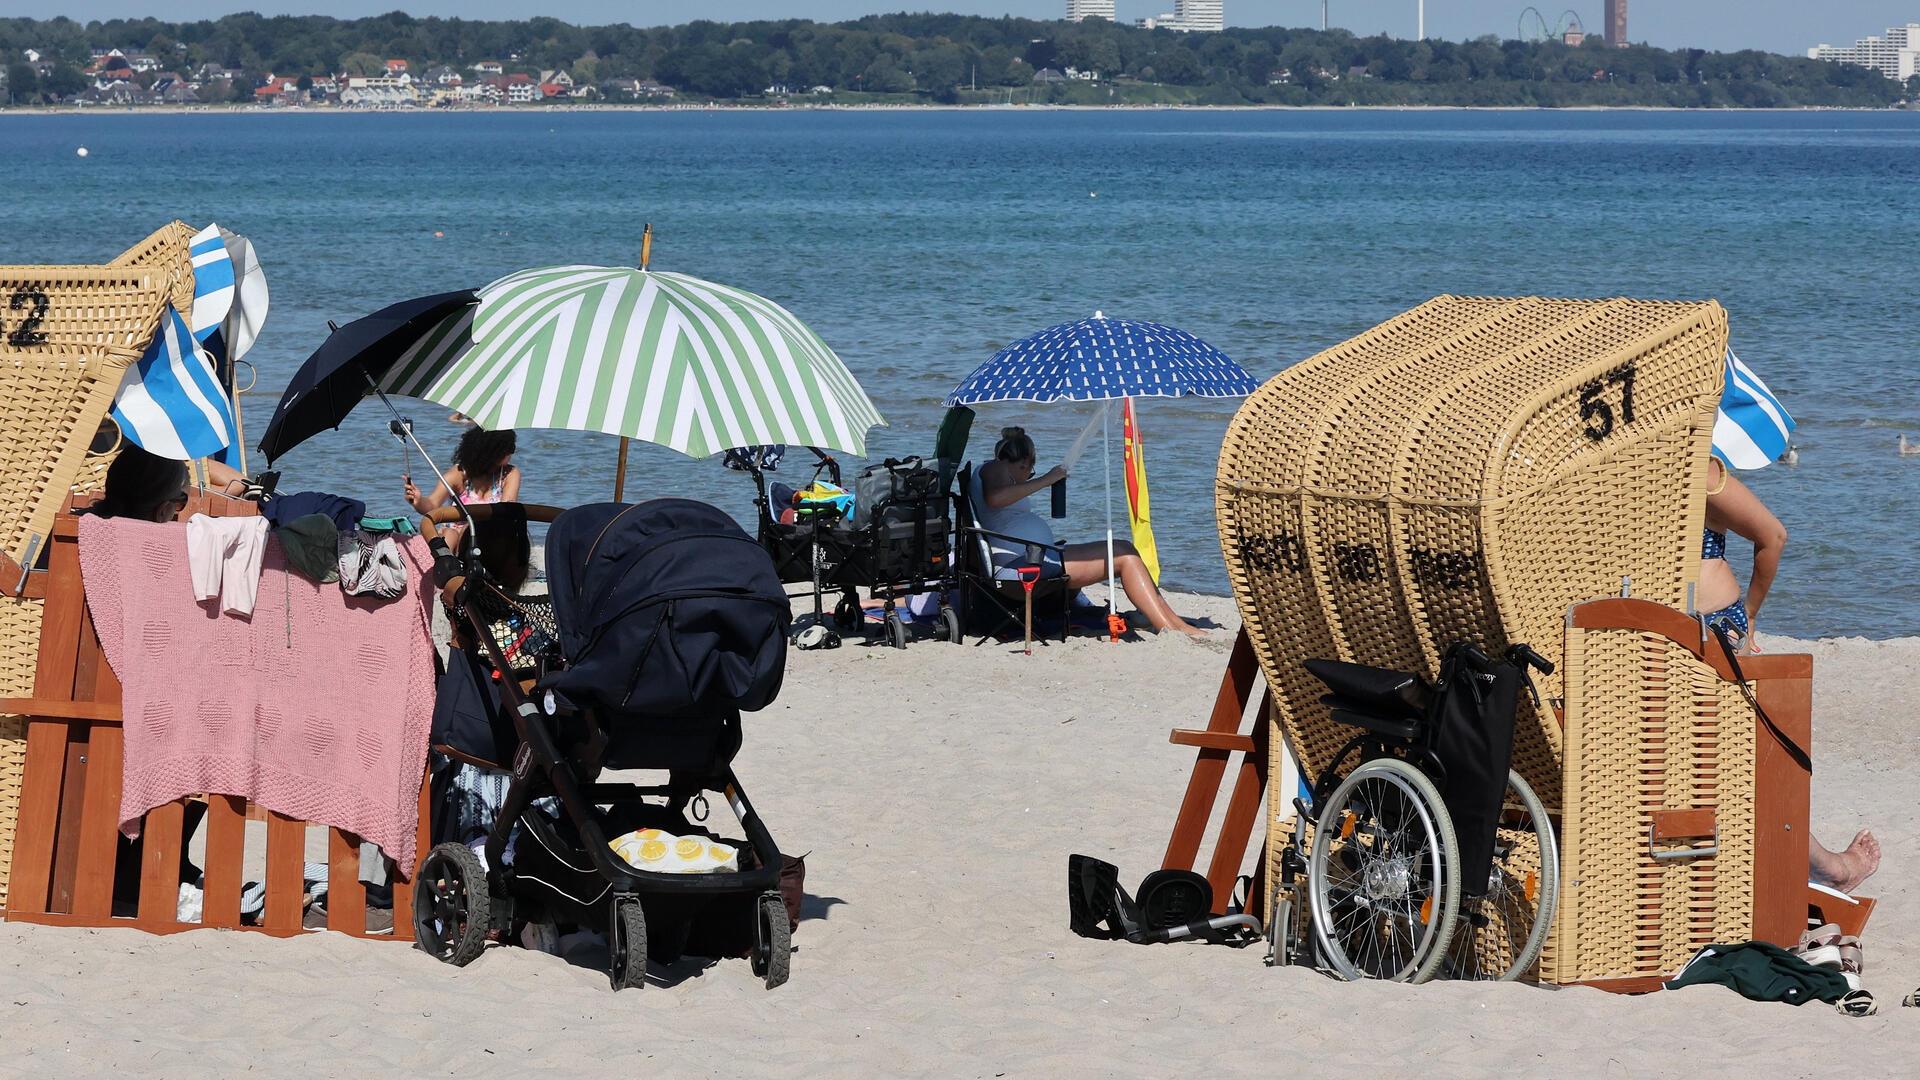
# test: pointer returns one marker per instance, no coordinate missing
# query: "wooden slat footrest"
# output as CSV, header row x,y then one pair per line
x,y
1212,740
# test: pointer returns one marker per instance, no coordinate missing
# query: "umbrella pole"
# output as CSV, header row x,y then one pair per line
x,y
620,473
402,429
1106,443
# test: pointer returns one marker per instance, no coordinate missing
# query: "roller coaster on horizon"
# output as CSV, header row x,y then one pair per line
x,y
1569,20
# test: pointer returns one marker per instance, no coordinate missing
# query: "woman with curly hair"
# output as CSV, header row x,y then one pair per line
x,y
483,472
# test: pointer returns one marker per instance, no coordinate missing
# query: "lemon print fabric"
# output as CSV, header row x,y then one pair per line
x,y
664,853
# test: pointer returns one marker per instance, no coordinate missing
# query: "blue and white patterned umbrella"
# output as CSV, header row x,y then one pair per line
x,y
1101,359
1752,428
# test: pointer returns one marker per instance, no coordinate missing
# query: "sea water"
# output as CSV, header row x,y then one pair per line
x,y
916,243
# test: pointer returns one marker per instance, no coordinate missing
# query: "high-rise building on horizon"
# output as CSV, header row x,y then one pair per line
x,y
1189,17
1613,23
1895,55
1078,10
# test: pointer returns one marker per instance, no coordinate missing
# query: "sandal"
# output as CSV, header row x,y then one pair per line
x,y
1826,946
1858,1003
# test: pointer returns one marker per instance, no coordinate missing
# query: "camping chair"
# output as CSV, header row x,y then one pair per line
x,y
996,593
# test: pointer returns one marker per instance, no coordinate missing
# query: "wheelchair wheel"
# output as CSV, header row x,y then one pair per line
x,y
1383,880
1500,934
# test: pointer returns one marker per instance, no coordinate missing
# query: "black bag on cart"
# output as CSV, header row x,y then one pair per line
x,y
901,510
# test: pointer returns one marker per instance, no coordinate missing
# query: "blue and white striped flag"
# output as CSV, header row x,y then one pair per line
x,y
212,281
170,403
1752,428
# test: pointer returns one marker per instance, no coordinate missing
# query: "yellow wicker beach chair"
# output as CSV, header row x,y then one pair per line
x,y
67,333
1466,471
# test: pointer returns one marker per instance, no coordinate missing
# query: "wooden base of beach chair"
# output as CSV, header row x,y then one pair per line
x,y
1685,818
1217,743
66,848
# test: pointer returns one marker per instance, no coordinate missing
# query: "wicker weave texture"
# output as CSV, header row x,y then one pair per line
x,y
1650,727
55,392
1466,471
169,251
19,653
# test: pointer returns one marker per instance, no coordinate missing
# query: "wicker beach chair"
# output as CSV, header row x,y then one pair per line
x,y
1466,471
67,333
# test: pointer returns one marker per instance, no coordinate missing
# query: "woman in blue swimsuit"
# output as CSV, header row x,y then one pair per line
x,y
1733,507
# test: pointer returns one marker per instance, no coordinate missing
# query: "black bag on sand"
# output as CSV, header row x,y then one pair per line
x,y
1473,739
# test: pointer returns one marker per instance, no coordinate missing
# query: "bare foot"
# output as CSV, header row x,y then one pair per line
x,y
1847,870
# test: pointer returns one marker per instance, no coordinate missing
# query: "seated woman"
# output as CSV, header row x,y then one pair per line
x,y
1733,507
143,486
1007,481
483,472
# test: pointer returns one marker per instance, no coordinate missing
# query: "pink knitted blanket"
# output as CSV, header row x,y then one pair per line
x,y
317,707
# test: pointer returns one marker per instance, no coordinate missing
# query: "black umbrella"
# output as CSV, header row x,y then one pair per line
x,y
346,366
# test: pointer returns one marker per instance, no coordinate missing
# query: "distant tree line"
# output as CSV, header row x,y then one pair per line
x,y
951,58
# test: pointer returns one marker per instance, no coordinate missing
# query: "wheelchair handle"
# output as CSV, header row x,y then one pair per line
x,y
1524,654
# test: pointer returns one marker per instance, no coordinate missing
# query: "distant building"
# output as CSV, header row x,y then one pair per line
x,y
1896,55
379,93
1189,17
1049,75
118,92
1079,10
142,62
1613,23
396,67
488,67
442,76
1573,38
521,90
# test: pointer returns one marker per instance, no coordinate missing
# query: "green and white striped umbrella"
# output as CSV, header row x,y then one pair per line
x,y
661,357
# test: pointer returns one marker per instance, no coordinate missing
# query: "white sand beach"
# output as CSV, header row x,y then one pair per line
x,y
939,791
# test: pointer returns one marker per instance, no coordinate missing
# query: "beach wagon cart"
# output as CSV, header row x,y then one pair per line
x,y
896,548
1476,470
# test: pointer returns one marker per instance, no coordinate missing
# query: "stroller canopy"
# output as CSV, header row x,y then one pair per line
x,y
665,609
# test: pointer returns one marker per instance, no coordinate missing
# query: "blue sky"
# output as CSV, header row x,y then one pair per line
x,y
1778,25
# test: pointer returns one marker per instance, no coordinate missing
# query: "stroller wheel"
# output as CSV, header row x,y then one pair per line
x,y
627,944
950,626
772,940
896,631
452,910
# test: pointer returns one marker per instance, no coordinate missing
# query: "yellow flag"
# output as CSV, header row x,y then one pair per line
x,y
1138,511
